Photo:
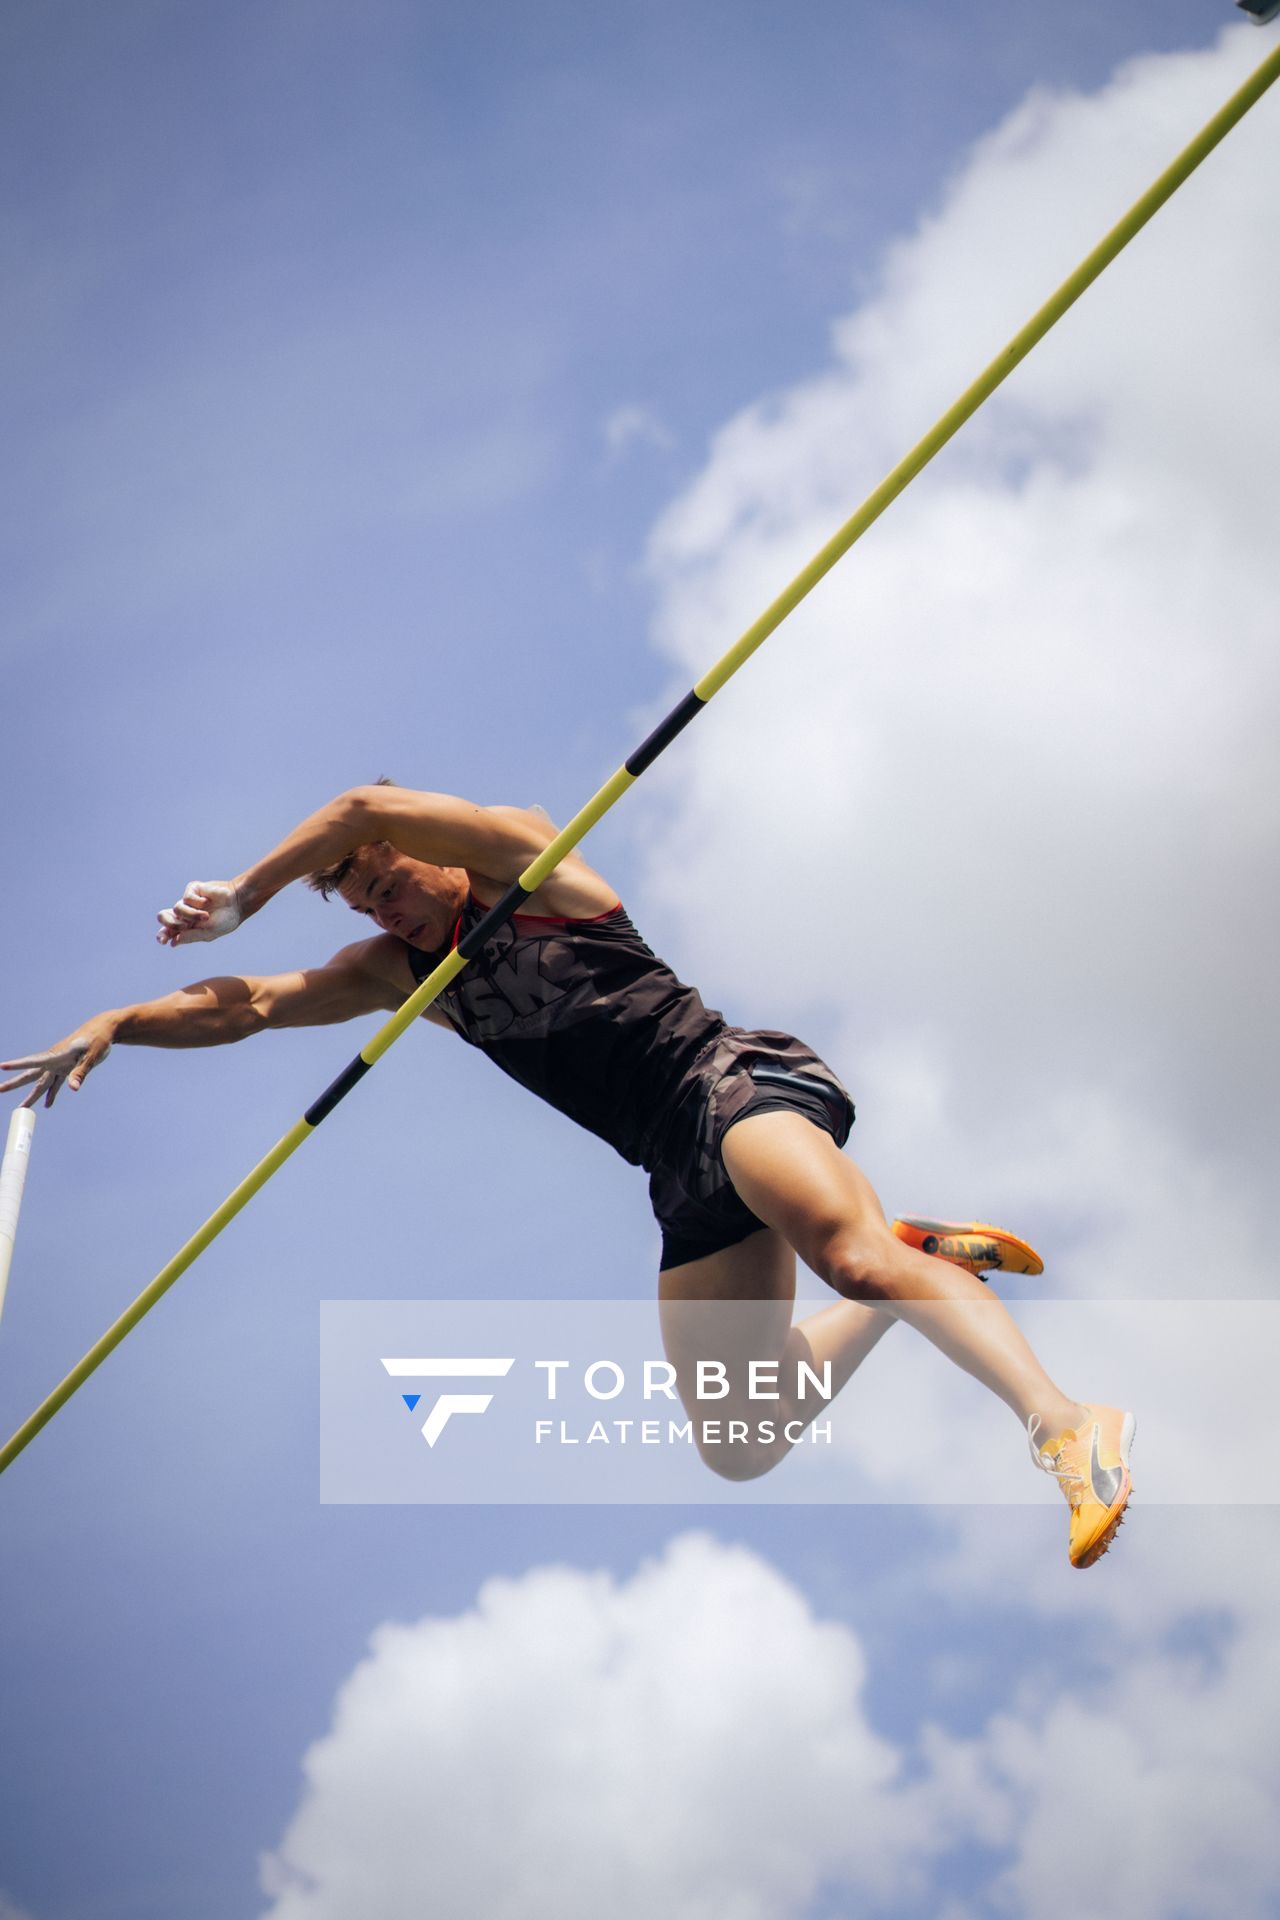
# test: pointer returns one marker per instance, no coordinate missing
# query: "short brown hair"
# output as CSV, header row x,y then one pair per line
x,y
328,880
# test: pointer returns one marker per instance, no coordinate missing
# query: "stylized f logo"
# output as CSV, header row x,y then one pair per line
x,y
448,1403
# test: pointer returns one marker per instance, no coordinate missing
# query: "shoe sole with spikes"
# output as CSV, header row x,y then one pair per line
x,y
1100,1545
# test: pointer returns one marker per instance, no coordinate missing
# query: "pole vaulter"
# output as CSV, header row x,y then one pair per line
x,y
685,710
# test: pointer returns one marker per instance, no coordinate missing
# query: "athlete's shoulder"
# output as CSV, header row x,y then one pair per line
x,y
574,891
385,958
375,956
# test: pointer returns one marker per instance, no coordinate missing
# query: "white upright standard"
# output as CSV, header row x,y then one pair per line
x,y
13,1174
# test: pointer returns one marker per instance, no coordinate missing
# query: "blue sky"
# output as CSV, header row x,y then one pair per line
x,y
367,398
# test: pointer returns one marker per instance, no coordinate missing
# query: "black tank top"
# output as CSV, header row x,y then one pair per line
x,y
582,1013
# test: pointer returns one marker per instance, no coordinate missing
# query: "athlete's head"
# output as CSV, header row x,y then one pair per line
x,y
411,898
407,897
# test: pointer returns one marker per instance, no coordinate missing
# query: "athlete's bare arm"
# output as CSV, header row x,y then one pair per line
x,y
436,827
370,976
492,844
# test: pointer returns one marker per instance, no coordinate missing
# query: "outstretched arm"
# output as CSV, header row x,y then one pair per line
x,y
214,1012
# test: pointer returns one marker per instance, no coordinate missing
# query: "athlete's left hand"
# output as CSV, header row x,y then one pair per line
x,y
69,1061
207,910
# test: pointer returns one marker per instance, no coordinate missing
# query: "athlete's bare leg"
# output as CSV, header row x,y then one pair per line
x,y
794,1177
735,1306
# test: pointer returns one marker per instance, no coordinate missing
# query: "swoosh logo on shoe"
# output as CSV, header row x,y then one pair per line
x,y
1107,1481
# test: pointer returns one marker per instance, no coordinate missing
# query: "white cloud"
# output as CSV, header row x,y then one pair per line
x,y
691,1739
1167,1782
696,1741
1146,1748
994,814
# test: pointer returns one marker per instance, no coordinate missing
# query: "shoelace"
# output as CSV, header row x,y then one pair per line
x,y
1069,1479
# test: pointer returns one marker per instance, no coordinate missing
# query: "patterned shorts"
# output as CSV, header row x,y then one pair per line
x,y
741,1072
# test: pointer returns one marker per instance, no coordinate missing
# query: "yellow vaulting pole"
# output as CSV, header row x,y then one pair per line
x,y
681,714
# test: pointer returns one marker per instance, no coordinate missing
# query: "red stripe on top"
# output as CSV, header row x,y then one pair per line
x,y
563,920
553,919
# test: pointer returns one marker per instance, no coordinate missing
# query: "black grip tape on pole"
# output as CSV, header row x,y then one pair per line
x,y
663,734
337,1090
498,915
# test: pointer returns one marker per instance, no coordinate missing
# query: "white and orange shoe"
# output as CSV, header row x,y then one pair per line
x,y
1091,1463
981,1249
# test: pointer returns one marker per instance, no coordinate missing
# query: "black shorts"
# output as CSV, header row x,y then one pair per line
x,y
740,1072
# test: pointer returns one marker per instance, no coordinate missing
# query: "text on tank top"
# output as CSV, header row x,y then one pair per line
x,y
582,1013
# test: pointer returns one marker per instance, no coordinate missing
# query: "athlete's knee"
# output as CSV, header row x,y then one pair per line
x,y
740,1462
859,1261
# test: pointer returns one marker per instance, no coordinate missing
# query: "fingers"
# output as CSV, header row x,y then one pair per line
x,y
56,1079
47,1073
37,1067
46,1084
178,921
19,1080
97,1052
201,914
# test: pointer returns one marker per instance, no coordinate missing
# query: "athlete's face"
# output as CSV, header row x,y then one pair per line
x,y
406,897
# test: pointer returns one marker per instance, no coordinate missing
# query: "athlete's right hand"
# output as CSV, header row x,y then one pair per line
x,y
207,910
69,1061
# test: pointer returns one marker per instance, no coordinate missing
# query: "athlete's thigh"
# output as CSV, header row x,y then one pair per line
x,y
733,1306
794,1176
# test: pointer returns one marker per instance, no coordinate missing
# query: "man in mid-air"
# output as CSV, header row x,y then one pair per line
x,y
740,1131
